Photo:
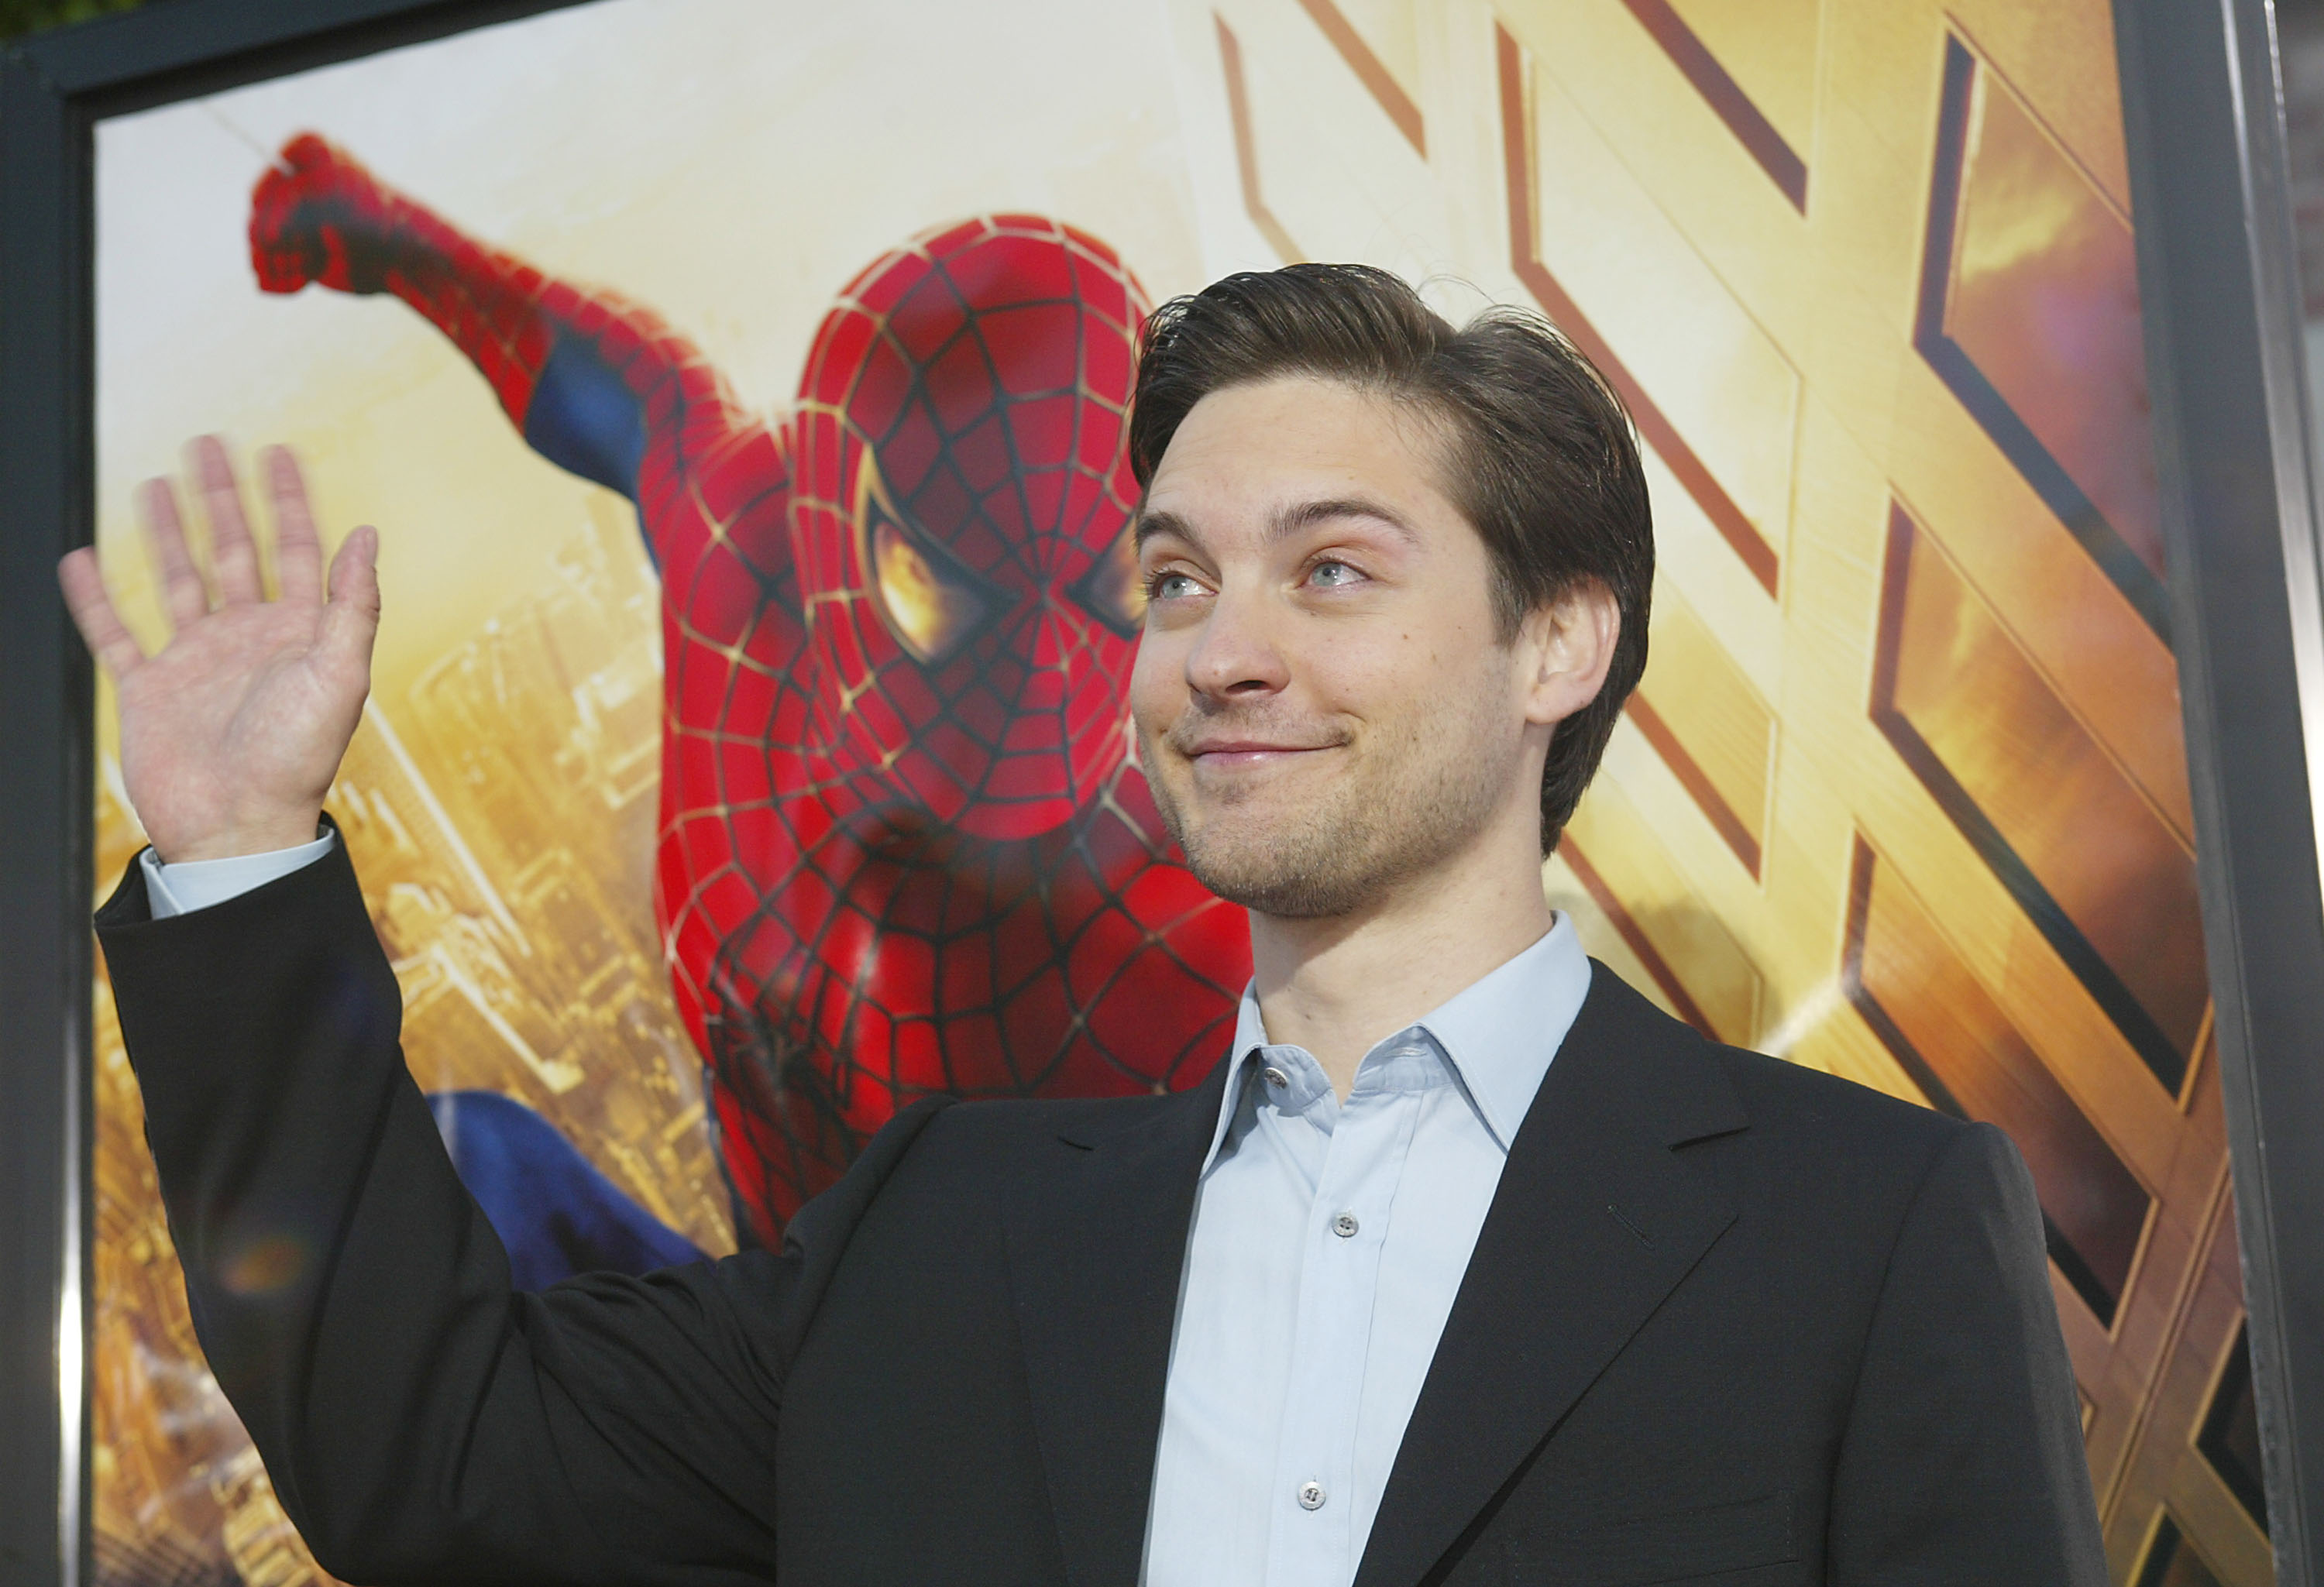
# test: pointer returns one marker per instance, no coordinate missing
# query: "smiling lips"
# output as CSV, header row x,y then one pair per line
x,y
1247,755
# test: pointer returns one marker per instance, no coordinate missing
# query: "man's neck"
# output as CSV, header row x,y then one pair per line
x,y
1336,986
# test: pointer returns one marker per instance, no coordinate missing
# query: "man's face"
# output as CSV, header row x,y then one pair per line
x,y
1324,707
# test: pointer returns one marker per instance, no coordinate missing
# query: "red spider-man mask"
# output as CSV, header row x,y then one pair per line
x,y
963,505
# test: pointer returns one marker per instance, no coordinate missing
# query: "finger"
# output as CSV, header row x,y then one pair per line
x,y
297,553
183,595
115,648
233,554
351,620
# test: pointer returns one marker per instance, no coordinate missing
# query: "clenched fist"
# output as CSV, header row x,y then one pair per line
x,y
233,732
318,215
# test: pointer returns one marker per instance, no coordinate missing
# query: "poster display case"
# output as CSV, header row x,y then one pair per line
x,y
737,388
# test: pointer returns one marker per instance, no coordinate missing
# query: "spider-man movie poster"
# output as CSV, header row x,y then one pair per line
x,y
738,387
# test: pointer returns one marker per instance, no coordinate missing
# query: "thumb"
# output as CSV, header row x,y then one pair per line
x,y
350,617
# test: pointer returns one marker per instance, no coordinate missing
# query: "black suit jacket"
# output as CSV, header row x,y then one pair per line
x,y
1729,1321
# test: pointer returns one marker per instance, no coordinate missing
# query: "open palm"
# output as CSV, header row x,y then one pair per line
x,y
232,732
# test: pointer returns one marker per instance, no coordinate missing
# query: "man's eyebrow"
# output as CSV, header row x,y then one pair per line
x,y
1283,521
1286,522
1147,525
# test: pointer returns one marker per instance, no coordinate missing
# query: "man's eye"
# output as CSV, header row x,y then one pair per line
x,y
1332,574
1165,586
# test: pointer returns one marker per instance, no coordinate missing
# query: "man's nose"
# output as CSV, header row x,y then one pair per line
x,y
1237,652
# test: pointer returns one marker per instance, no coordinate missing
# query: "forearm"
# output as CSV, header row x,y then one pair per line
x,y
510,320
294,1160
420,1420
597,385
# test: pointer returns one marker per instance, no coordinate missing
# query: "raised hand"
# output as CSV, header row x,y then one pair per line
x,y
318,215
233,732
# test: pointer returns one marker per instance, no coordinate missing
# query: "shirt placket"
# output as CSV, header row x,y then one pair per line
x,y
1311,1536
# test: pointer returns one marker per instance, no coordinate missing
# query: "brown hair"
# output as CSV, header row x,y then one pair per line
x,y
1539,454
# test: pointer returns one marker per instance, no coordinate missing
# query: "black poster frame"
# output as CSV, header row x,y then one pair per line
x,y
2203,113
2217,266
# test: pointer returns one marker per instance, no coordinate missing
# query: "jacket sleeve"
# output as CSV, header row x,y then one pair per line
x,y
421,1420
1962,1459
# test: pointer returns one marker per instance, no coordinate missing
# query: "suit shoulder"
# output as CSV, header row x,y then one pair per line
x,y
1704,1082
1842,1165
1835,1116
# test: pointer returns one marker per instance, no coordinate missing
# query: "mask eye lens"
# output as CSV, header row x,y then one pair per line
x,y
931,609
1111,591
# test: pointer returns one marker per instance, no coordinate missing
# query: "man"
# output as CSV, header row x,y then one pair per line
x,y
1464,1265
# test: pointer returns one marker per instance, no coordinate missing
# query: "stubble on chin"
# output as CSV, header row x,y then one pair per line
x,y
1393,811
1311,864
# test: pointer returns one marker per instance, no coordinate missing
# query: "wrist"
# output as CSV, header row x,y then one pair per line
x,y
259,837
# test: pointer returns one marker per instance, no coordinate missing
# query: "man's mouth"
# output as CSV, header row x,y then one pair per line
x,y
1249,754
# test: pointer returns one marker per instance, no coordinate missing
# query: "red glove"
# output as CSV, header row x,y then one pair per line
x,y
318,215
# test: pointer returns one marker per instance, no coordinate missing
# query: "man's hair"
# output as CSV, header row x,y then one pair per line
x,y
1538,452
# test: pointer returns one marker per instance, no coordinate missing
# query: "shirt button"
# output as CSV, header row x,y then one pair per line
x,y
1345,1225
1277,1077
1312,1495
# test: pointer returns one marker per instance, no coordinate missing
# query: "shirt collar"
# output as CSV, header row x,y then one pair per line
x,y
1499,1033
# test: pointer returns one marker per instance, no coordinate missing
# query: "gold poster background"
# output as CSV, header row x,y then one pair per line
x,y
1902,797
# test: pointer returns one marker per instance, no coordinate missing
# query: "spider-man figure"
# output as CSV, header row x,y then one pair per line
x,y
905,846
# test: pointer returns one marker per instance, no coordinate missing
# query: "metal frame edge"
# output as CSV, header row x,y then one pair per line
x,y
2204,124
44,938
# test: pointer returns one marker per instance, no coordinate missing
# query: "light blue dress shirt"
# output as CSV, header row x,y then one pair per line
x,y
196,884
1329,1239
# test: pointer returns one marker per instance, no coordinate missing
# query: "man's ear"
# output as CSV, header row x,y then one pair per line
x,y
1568,642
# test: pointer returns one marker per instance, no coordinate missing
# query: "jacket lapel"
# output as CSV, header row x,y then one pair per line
x,y
1595,1221
1097,1237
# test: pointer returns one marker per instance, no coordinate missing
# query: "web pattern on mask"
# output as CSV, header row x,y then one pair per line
x,y
1018,923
